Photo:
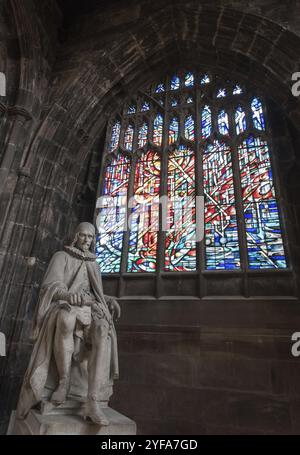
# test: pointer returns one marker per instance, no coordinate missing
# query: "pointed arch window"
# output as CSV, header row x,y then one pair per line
x,y
223,123
206,125
173,130
240,120
189,129
175,83
158,129
115,136
189,80
143,135
218,147
257,114
128,137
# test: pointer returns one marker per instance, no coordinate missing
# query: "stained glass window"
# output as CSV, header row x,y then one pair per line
x,y
145,106
263,232
158,129
221,93
143,135
205,79
257,114
128,137
180,238
175,83
115,136
223,123
160,88
237,90
173,130
144,217
189,130
206,125
131,108
189,80
240,120
232,167
113,214
221,233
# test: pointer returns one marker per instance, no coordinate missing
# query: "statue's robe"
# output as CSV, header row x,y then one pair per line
x,y
41,376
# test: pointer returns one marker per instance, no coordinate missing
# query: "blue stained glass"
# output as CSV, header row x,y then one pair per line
x,y
145,106
221,232
263,232
206,125
221,238
237,90
158,129
143,135
189,80
131,109
160,88
189,128
223,123
221,93
173,130
112,216
205,79
240,120
128,138
264,241
175,83
257,114
263,235
115,136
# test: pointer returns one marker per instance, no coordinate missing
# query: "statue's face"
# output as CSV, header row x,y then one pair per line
x,y
84,240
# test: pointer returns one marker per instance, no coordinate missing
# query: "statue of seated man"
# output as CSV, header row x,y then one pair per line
x,y
75,353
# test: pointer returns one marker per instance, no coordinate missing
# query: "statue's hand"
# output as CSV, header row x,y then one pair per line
x,y
75,299
114,309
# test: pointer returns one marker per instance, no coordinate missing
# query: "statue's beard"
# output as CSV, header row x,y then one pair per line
x,y
84,247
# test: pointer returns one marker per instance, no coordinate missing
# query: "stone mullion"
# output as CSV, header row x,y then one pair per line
x,y
234,143
248,113
163,191
200,246
130,193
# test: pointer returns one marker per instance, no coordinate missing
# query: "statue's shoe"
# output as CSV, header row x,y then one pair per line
x,y
93,412
59,396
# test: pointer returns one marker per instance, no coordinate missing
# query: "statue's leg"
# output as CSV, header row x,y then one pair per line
x,y
63,351
99,335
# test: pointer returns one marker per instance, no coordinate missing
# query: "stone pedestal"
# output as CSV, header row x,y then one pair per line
x,y
52,420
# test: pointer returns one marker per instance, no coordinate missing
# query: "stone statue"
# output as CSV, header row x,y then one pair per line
x,y
75,352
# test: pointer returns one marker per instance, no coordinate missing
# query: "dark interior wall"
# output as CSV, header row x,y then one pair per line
x,y
66,74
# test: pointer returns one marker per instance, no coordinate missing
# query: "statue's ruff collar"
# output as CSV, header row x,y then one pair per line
x,y
77,253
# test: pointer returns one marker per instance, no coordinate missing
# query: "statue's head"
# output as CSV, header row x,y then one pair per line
x,y
85,237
